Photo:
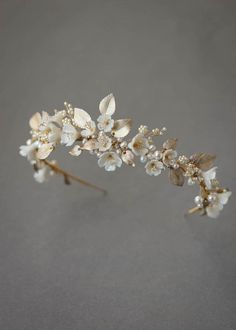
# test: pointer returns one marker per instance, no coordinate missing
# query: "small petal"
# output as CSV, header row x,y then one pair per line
x,y
208,176
213,211
69,135
128,157
89,130
75,151
90,144
224,197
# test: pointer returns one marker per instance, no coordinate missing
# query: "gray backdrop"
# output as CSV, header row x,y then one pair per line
x,y
71,258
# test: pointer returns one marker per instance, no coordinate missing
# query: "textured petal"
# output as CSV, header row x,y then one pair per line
x,y
213,211
81,117
76,151
41,175
54,135
90,145
69,135
102,160
108,105
224,197
110,167
118,161
57,118
209,175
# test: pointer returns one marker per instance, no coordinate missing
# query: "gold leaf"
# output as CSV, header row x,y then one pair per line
x,y
35,121
45,150
203,161
81,117
121,127
107,105
176,176
170,144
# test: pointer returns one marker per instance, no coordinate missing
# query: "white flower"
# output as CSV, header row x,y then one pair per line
x,y
217,202
139,145
105,123
69,134
43,173
209,176
104,142
169,157
47,125
109,160
30,152
154,167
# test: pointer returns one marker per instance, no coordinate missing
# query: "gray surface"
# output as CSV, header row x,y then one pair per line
x,y
72,259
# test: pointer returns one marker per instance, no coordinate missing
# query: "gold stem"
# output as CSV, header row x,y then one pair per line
x,y
193,210
59,170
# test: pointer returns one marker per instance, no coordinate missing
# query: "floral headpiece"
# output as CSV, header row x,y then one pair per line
x,y
106,140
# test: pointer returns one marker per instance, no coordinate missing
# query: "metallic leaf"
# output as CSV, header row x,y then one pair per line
x,y
121,127
176,176
45,150
81,117
203,160
107,105
170,144
35,121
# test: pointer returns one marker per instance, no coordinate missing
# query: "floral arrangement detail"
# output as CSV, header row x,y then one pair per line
x,y
107,140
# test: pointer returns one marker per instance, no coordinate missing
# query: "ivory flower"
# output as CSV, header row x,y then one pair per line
x,y
105,123
29,151
169,157
139,145
104,142
109,160
69,134
217,202
154,167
